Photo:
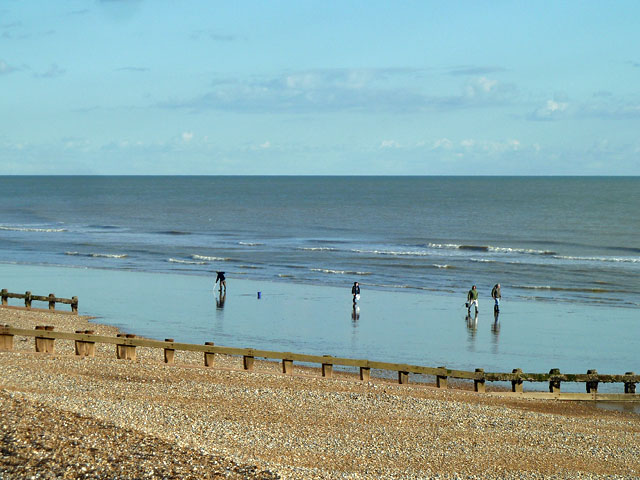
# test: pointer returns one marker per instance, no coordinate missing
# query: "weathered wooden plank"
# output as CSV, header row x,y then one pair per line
x,y
442,373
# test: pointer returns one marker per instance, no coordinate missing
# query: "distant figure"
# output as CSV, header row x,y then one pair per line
x,y
495,294
222,281
472,299
355,291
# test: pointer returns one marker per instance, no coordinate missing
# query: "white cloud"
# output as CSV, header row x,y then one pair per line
x,y
551,110
444,143
187,136
389,144
266,144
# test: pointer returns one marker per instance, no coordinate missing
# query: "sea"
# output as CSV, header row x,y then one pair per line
x,y
544,239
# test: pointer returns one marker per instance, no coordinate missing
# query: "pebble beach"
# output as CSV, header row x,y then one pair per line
x,y
69,417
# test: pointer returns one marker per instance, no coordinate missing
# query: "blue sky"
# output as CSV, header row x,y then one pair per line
x,y
331,87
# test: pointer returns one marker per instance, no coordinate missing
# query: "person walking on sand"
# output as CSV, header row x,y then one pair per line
x,y
495,294
221,279
355,291
472,299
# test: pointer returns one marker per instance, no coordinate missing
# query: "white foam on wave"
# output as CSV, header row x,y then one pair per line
x,y
599,259
186,262
33,229
209,259
412,253
490,248
250,244
338,272
318,249
98,255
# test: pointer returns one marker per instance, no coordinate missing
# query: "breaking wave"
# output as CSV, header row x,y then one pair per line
x,y
338,272
186,262
206,258
32,229
98,255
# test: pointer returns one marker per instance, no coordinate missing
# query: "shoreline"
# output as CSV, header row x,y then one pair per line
x,y
269,424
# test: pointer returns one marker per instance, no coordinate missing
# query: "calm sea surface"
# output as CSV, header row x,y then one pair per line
x,y
545,239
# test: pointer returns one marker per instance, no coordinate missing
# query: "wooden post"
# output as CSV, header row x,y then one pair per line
x,y
327,369
209,358
119,348
39,341
90,347
52,301
44,345
479,383
169,353
516,385
27,300
441,380
74,304
403,378
554,384
287,366
365,374
592,385
81,346
247,362
5,297
6,341
130,350
629,387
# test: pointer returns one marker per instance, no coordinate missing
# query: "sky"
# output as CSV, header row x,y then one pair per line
x,y
139,87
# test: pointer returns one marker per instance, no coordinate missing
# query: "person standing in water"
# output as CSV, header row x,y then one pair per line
x,y
472,299
495,294
221,279
355,291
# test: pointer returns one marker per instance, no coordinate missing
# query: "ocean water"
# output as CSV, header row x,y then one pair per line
x,y
545,239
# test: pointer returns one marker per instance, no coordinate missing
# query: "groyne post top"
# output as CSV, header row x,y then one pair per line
x,y
74,304
6,341
27,299
365,374
479,383
327,369
554,383
592,385
516,385
169,353
403,378
247,362
5,297
52,301
441,380
629,387
209,358
287,366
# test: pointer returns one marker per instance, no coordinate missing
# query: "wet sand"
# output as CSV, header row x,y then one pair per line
x,y
67,417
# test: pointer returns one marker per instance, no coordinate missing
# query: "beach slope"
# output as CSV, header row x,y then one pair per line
x,y
66,417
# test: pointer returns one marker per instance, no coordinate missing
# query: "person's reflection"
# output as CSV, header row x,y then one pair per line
x,y
472,324
220,299
355,313
495,328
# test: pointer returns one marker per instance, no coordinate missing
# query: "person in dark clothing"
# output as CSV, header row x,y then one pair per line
x,y
472,299
495,294
355,291
220,278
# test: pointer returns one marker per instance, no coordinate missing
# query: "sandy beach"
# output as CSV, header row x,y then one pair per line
x,y
67,417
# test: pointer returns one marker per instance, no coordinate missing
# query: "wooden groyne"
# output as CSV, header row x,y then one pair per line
x,y
29,298
125,348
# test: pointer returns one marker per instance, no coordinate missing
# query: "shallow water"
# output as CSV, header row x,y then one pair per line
x,y
403,327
